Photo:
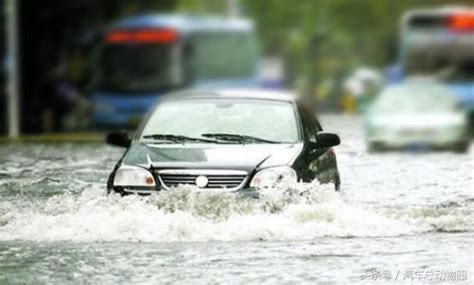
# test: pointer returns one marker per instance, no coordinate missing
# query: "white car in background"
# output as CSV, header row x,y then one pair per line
x,y
416,116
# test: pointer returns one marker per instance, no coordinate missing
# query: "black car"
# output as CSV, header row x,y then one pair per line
x,y
225,140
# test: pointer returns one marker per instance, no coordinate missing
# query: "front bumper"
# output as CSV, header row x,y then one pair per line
x,y
428,137
123,191
217,180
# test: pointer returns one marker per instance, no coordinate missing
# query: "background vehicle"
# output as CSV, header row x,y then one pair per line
x,y
416,115
143,57
440,42
229,139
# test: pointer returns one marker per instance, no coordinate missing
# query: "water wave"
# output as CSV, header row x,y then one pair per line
x,y
301,211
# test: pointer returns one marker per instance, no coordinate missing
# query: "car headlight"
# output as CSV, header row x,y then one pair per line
x,y
273,176
128,175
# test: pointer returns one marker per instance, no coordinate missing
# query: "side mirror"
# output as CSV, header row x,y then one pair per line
x,y
120,138
325,140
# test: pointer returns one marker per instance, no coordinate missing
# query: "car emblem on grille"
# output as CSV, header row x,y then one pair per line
x,y
201,181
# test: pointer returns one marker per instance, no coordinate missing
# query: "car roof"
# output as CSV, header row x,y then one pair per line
x,y
285,96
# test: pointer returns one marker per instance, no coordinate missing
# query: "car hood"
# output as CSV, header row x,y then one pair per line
x,y
216,156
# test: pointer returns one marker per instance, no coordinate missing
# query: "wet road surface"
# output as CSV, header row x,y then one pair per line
x,y
398,214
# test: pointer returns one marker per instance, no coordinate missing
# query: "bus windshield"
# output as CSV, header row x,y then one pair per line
x,y
135,67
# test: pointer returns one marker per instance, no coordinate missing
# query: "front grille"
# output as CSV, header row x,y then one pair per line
x,y
227,179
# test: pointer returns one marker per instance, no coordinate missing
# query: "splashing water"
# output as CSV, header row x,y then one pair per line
x,y
302,211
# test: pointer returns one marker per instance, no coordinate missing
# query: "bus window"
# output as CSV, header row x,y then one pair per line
x,y
223,55
134,66
427,22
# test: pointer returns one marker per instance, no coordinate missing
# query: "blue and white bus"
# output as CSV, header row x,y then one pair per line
x,y
440,42
142,57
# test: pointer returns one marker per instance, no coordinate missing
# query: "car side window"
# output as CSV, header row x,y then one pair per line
x,y
317,124
311,125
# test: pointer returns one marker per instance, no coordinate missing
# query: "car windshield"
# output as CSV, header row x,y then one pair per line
x,y
460,72
262,120
411,99
441,65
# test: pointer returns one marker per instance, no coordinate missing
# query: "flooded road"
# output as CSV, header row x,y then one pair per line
x,y
399,216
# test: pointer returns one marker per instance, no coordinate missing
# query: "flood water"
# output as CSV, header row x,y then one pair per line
x,y
399,215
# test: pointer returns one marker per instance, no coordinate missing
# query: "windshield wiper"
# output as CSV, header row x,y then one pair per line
x,y
236,138
177,138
